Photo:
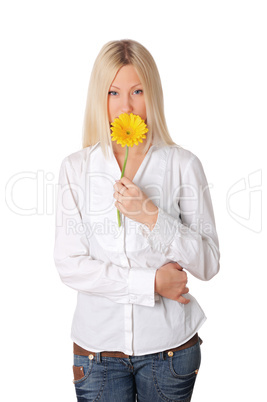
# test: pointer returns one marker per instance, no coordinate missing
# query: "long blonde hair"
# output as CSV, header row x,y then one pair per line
x,y
111,58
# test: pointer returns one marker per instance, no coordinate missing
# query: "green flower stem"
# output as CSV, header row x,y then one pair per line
x,y
122,174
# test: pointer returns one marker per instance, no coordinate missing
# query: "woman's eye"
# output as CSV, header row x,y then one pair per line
x,y
138,91
113,93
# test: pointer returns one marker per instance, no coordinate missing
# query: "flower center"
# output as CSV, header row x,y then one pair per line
x,y
128,132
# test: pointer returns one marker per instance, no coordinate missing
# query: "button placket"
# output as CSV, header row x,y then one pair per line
x,y
128,308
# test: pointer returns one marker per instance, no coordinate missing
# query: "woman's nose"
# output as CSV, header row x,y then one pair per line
x,y
126,106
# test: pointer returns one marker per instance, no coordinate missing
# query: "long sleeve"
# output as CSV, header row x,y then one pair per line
x,y
190,238
76,267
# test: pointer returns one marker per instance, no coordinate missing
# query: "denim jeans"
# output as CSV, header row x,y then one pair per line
x,y
154,377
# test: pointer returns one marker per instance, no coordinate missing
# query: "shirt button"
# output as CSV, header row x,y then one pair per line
x,y
91,357
170,354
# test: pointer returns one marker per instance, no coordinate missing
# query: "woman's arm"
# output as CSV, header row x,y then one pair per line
x,y
190,239
72,257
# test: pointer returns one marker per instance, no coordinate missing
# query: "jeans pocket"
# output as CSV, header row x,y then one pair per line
x,y
185,364
175,376
78,373
81,369
89,378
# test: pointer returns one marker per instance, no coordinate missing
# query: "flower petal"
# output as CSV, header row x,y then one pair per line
x,y
128,129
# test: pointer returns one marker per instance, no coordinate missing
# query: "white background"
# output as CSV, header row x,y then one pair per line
x,y
212,59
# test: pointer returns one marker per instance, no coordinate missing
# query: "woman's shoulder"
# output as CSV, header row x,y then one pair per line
x,y
178,154
185,161
77,159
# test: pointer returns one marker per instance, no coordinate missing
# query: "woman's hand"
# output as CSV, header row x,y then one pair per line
x,y
133,203
170,282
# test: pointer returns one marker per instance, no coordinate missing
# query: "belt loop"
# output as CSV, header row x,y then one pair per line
x,y
98,357
161,356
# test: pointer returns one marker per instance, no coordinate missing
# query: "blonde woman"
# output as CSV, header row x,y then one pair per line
x,y
135,328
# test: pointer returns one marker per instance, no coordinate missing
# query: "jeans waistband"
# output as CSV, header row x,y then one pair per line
x,y
78,350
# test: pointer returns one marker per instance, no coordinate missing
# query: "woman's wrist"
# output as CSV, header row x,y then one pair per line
x,y
151,219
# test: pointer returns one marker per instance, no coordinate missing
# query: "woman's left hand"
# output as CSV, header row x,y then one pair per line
x,y
133,203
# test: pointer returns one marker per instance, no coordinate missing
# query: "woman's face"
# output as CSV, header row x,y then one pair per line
x,y
126,94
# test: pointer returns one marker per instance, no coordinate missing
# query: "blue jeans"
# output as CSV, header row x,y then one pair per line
x,y
154,377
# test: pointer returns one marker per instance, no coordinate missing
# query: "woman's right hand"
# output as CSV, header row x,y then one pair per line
x,y
170,282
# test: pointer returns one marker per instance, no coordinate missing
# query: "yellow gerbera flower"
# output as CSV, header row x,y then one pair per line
x,y
128,130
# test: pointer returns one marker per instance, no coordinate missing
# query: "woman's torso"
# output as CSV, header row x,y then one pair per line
x,y
100,324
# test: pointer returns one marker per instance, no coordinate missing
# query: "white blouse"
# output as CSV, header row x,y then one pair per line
x,y
113,269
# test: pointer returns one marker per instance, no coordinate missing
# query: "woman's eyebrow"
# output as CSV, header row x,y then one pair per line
x,y
136,85
113,86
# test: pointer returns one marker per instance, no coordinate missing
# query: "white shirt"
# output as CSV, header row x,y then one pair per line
x,y
113,269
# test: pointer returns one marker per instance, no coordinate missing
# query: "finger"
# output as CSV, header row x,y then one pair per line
x,y
119,187
118,197
129,185
183,275
178,266
126,182
183,300
120,207
117,205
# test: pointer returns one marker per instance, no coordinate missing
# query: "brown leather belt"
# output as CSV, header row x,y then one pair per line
x,y
78,350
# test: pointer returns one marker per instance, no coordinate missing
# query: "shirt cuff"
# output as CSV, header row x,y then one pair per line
x,y
163,232
142,286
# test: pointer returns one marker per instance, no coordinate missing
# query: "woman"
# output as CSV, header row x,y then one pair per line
x,y
135,325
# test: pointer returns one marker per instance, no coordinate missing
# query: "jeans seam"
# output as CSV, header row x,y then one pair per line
x,y
156,384
103,382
